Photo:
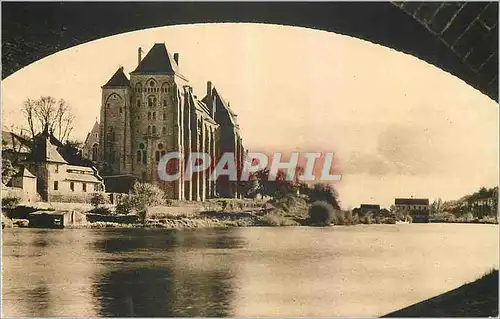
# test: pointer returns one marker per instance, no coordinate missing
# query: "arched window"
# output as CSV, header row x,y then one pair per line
x,y
164,116
164,87
154,115
163,130
151,101
144,157
163,153
149,115
154,129
138,156
165,102
149,129
138,87
95,150
151,83
111,134
157,156
138,103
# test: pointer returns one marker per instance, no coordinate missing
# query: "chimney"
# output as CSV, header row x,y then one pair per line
x,y
176,58
209,89
139,55
210,99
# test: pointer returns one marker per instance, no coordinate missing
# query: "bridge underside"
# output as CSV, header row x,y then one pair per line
x,y
460,38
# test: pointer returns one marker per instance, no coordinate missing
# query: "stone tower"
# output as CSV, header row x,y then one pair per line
x,y
154,113
114,132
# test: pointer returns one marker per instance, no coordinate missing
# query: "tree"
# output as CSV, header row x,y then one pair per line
x,y
324,192
399,213
321,213
252,186
143,196
8,171
436,207
97,199
48,113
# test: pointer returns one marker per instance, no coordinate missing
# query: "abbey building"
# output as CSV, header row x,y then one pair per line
x,y
155,111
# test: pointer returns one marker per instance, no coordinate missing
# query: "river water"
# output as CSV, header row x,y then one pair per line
x,y
364,270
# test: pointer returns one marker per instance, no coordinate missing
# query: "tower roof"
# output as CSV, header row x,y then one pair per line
x,y
119,79
45,151
158,60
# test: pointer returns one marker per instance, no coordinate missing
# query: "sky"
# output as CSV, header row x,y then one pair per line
x,y
398,126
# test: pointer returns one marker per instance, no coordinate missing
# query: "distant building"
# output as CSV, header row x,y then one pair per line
x,y
418,208
365,209
25,181
53,171
91,144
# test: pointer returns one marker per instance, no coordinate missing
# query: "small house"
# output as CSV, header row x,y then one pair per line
x,y
56,219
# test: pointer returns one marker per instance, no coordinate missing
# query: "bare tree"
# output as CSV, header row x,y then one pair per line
x,y
47,112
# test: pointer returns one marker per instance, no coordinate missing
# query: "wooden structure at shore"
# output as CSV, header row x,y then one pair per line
x,y
56,219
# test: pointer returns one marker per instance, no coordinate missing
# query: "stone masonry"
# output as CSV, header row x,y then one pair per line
x,y
155,112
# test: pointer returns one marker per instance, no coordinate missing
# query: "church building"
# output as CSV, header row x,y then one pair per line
x,y
155,111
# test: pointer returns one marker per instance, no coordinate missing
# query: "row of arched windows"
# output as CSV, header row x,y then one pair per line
x,y
152,87
142,153
152,102
152,130
153,115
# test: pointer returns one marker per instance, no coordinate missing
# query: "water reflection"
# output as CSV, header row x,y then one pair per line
x,y
168,273
248,272
163,292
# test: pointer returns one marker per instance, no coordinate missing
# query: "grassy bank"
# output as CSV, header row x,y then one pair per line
x,y
476,299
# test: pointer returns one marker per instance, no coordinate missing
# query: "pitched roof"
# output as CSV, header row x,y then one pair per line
x,y
119,79
370,206
224,104
24,172
13,141
44,150
411,201
82,178
94,130
158,60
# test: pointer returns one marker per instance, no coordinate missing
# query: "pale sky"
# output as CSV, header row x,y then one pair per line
x,y
398,125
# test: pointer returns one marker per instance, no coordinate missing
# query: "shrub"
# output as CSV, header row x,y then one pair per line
x,y
126,205
142,196
324,192
367,219
97,199
276,218
340,218
355,219
295,205
468,217
10,202
320,213
101,211
409,219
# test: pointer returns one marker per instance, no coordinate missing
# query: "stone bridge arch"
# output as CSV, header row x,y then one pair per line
x,y
458,37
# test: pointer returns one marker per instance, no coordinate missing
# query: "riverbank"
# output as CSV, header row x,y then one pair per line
x,y
476,299
217,213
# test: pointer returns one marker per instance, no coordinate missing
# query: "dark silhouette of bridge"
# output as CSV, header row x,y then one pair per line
x,y
458,37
